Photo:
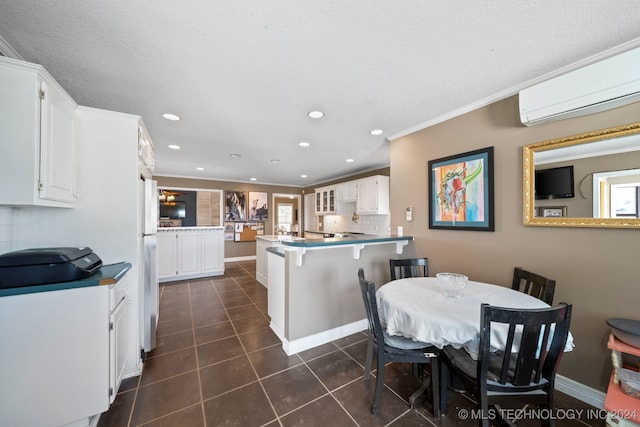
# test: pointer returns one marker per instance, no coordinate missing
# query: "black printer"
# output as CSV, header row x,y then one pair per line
x,y
39,266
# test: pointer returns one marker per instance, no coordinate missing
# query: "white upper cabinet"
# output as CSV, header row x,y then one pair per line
x,y
373,195
37,130
325,200
347,191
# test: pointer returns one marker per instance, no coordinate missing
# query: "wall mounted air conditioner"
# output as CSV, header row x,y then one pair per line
x,y
607,84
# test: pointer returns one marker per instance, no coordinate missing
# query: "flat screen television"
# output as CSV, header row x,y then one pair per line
x,y
173,210
554,183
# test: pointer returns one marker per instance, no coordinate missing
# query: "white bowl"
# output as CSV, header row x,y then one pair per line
x,y
452,284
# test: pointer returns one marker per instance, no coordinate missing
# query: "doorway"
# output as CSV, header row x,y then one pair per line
x,y
286,218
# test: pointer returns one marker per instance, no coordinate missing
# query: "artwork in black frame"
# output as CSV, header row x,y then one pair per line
x,y
461,191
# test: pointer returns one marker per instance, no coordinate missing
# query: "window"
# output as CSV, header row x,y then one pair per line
x,y
616,194
285,217
624,201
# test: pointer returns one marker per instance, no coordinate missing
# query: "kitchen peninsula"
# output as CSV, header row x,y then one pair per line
x,y
313,292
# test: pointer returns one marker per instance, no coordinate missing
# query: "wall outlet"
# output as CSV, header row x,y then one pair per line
x,y
409,214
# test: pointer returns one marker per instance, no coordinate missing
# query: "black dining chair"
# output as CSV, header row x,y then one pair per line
x,y
523,373
410,267
395,349
534,285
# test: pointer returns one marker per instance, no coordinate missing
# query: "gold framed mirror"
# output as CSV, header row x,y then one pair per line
x,y
606,179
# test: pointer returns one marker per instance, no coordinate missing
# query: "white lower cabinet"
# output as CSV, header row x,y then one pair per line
x,y
188,253
167,254
276,305
262,266
118,328
212,249
63,353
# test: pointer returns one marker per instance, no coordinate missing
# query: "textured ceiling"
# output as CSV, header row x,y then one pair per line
x,y
243,74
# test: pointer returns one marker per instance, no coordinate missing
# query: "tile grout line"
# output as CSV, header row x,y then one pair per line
x,y
246,354
138,385
195,348
331,392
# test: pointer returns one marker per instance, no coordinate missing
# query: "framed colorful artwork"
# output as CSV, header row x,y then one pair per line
x,y
461,191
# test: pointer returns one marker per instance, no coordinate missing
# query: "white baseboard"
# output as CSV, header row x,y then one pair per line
x,y
580,391
302,344
240,258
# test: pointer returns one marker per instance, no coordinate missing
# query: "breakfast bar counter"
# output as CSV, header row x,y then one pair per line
x,y
313,291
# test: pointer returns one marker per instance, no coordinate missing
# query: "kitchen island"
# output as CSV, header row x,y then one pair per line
x,y
313,291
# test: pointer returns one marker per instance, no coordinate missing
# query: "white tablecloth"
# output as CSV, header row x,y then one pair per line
x,y
416,308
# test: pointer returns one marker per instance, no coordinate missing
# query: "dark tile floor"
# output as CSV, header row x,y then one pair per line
x,y
218,363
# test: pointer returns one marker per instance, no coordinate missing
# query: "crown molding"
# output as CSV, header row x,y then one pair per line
x,y
8,51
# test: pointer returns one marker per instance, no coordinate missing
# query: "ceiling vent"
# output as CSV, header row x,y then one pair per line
x,y
607,84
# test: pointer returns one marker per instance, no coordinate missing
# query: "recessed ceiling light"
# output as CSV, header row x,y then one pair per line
x,y
199,169
316,114
349,160
171,117
303,176
234,155
174,147
275,161
304,144
252,179
377,132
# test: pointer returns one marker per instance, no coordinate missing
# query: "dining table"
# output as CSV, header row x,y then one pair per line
x,y
417,308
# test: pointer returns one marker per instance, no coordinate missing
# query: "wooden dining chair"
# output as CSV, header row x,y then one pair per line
x,y
410,267
534,285
395,349
524,372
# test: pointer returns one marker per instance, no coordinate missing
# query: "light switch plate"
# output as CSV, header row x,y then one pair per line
x,y
409,214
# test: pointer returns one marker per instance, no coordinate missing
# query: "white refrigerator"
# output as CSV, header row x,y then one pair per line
x,y
150,287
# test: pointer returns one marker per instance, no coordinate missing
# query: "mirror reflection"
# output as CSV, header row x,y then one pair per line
x,y
586,180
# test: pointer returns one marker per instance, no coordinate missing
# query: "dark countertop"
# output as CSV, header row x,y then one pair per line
x,y
107,275
276,250
347,240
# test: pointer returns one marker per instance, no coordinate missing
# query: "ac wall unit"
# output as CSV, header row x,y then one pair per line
x,y
610,83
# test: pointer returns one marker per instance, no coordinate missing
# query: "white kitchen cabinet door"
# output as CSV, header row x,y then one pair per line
x,y
118,329
331,204
37,128
373,196
189,252
347,191
167,254
318,202
325,200
276,299
54,362
212,250
57,145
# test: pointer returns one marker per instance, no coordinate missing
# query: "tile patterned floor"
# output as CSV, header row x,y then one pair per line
x,y
218,363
